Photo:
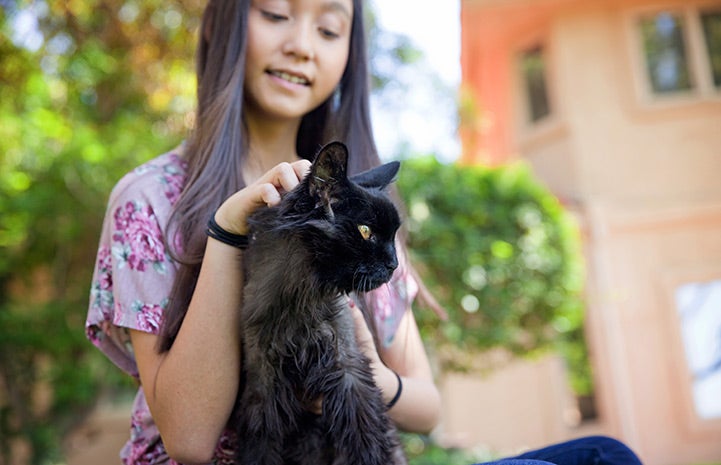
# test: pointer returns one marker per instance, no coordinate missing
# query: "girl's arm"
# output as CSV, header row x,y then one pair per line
x,y
418,409
192,387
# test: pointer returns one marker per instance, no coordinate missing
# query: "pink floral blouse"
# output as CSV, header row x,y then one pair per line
x,y
132,282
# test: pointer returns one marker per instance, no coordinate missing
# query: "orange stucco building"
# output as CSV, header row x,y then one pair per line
x,y
616,104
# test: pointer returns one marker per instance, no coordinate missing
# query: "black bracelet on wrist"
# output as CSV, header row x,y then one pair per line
x,y
395,398
239,241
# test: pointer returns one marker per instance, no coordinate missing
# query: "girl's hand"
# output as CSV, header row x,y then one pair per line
x,y
384,377
267,190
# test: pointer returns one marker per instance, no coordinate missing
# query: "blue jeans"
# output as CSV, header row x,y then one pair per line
x,y
592,450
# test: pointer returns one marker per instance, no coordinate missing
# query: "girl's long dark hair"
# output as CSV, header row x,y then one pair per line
x,y
218,146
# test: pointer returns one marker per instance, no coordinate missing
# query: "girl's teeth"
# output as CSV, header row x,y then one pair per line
x,y
291,78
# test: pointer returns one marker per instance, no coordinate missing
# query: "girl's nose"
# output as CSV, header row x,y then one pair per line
x,y
299,42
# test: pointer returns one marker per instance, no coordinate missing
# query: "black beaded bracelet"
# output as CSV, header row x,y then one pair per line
x,y
219,234
395,398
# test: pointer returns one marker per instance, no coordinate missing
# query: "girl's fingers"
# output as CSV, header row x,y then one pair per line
x,y
265,191
269,195
286,175
301,168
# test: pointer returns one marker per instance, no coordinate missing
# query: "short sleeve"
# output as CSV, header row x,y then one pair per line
x,y
133,272
390,301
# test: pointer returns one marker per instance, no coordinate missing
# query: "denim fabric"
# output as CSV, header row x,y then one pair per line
x,y
517,462
592,450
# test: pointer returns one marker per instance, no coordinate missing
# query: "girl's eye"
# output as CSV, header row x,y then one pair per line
x,y
365,231
332,25
275,17
328,34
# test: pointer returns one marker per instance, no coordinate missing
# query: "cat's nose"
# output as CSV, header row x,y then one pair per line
x,y
392,261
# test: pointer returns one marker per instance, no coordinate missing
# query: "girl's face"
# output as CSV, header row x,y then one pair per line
x,y
297,52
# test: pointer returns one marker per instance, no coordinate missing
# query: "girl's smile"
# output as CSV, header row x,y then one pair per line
x,y
289,77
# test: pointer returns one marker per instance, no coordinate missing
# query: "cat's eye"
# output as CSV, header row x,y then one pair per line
x,y
365,231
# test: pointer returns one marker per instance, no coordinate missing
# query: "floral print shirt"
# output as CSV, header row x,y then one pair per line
x,y
134,275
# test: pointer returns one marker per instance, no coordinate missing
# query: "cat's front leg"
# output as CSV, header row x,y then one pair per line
x,y
356,418
266,412
258,443
354,408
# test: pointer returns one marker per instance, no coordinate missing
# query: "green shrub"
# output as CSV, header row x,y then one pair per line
x,y
501,255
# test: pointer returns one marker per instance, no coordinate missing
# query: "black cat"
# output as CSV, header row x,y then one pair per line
x,y
329,237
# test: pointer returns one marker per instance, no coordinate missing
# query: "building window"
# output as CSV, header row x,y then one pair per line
x,y
681,50
665,51
711,24
533,73
699,310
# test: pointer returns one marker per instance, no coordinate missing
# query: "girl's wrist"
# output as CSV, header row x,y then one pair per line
x,y
389,385
397,395
221,219
220,233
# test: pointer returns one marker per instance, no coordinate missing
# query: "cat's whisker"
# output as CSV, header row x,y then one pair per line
x,y
355,274
365,283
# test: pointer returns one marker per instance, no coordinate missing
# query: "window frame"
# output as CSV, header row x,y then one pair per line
x,y
697,54
541,49
525,129
671,278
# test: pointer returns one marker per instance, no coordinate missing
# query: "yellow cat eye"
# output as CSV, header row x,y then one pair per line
x,y
365,231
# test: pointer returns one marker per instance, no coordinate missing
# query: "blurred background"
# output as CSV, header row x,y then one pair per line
x,y
561,165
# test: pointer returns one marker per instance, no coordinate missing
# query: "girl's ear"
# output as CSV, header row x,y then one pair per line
x,y
208,21
208,30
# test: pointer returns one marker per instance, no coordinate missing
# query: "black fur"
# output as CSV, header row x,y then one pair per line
x,y
306,255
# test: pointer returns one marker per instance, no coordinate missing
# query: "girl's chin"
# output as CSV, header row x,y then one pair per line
x,y
284,107
281,113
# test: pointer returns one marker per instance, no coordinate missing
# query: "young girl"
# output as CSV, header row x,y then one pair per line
x,y
276,80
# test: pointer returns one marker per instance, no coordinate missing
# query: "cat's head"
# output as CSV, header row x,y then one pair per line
x,y
352,226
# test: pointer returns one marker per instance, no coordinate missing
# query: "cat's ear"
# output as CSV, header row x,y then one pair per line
x,y
379,177
330,165
328,171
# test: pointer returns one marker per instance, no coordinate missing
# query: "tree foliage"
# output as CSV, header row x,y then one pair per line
x,y
87,90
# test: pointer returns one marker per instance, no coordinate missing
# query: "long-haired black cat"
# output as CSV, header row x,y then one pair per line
x,y
329,237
